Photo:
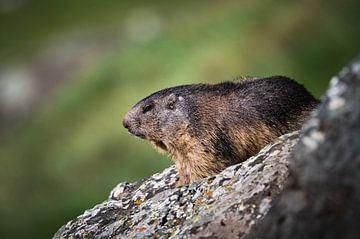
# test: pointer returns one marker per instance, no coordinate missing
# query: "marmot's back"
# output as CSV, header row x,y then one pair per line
x,y
206,128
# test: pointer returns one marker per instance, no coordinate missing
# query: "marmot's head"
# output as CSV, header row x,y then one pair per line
x,y
158,118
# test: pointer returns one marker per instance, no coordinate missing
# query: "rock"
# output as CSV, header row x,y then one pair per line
x,y
322,197
224,206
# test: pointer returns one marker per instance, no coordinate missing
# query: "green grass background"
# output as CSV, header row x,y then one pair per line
x,y
69,154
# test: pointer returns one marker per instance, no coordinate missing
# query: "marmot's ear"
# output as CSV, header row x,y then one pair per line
x,y
171,100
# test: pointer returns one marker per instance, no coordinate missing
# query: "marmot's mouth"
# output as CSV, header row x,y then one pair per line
x,y
141,136
161,145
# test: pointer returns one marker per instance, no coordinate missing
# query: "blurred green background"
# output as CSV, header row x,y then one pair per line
x,y
69,71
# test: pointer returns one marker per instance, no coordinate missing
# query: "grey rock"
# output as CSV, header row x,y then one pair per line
x,y
322,198
223,206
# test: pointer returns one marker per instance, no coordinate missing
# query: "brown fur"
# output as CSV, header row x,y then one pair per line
x,y
206,128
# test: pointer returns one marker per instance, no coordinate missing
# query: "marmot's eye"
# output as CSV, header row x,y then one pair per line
x,y
146,108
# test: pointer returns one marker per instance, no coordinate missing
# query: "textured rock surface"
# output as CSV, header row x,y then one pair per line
x,y
322,199
223,206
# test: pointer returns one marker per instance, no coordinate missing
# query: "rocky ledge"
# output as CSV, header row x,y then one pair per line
x,y
290,189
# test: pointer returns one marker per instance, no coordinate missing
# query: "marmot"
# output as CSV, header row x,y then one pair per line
x,y
206,128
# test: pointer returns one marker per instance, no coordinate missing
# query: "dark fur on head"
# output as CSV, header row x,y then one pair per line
x,y
206,128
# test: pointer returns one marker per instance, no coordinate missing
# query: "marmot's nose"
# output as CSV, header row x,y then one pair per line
x,y
125,123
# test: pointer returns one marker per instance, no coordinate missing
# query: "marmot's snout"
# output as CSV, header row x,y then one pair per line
x,y
126,123
132,125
